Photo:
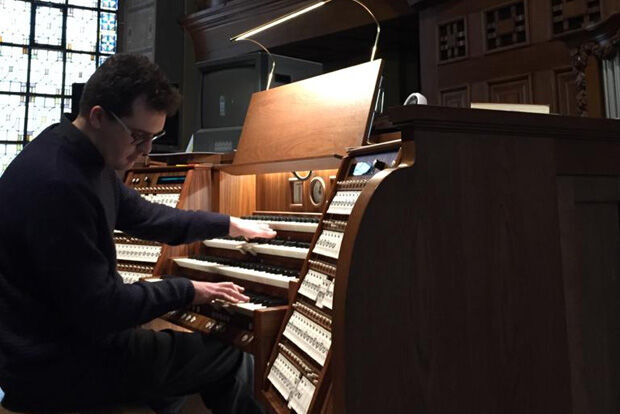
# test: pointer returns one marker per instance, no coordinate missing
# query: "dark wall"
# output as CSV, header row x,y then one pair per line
x,y
498,51
338,35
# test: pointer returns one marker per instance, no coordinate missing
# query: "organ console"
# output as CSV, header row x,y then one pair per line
x,y
471,266
279,135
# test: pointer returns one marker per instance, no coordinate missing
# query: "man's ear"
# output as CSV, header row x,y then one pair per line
x,y
95,116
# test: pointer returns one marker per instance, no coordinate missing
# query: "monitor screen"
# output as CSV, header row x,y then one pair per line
x,y
226,94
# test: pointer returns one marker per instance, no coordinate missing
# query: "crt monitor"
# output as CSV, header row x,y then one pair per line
x,y
227,85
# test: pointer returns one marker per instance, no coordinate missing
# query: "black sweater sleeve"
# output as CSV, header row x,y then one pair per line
x,y
78,280
143,219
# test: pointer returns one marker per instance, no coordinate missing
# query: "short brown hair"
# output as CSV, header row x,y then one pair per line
x,y
121,79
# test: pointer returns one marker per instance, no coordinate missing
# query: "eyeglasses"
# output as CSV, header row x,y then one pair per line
x,y
139,137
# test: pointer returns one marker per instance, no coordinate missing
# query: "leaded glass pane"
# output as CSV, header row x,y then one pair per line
x,y
107,37
68,106
7,153
48,27
42,112
12,115
46,72
84,3
81,30
79,69
13,68
15,22
102,59
109,4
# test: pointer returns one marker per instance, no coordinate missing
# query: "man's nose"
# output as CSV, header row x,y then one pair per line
x,y
146,147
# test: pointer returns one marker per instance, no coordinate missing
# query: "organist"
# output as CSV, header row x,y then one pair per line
x,y
68,336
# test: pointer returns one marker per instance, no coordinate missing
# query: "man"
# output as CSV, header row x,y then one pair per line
x,y
67,322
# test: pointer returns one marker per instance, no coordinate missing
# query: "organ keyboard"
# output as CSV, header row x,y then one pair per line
x,y
265,268
240,270
285,223
178,187
275,247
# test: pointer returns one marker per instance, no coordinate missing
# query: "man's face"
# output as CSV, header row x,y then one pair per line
x,y
123,140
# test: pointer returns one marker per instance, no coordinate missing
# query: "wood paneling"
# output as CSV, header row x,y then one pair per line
x,y
565,92
237,194
273,192
501,265
505,41
512,90
589,217
455,98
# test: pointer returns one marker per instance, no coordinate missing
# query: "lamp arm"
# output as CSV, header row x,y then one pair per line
x,y
294,14
273,61
374,47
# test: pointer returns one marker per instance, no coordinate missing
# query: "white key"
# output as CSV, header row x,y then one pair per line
x,y
282,251
224,244
271,279
299,226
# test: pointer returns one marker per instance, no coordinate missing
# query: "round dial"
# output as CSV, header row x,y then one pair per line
x,y
317,191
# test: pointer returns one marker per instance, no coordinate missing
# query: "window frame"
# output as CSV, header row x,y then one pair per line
x,y
33,45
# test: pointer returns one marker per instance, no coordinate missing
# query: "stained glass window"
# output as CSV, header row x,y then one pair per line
x,y
48,27
80,33
7,153
103,59
70,39
68,105
109,4
42,112
13,68
107,33
15,11
12,114
46,72
84,3
79,68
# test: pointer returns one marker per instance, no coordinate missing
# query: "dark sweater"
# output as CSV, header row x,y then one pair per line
x,y
60,292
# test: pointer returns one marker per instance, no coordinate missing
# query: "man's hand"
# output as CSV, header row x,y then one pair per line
x,y
250,229
227,291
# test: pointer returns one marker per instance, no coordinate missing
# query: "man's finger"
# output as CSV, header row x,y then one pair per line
x,y
234,297
231,291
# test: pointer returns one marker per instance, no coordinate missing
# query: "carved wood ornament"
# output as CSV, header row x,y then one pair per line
x,y
600,41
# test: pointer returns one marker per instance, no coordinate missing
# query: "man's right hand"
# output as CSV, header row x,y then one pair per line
x,y
227,291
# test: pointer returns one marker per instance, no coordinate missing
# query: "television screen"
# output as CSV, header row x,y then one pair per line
x,y
226,94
